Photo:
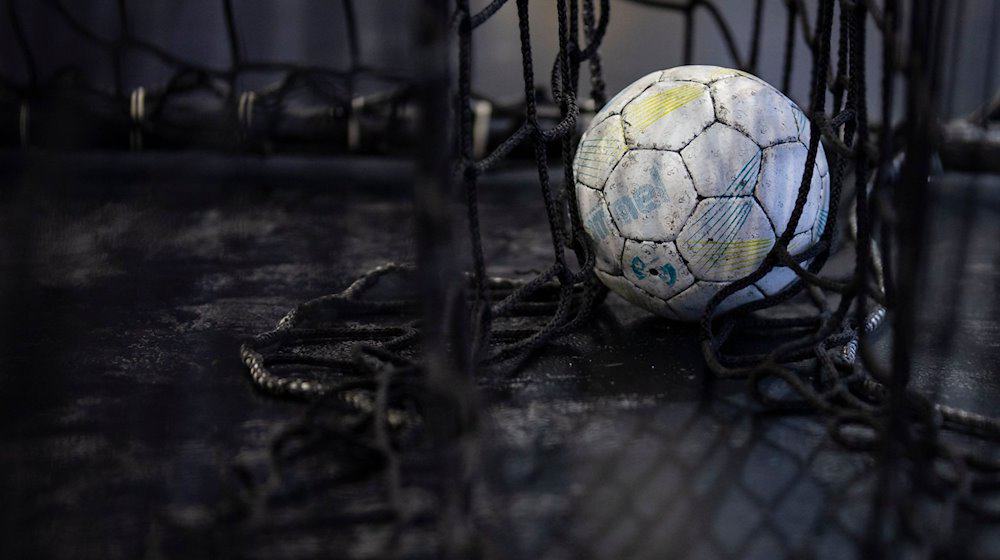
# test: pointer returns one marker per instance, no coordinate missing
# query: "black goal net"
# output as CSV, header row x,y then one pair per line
x,y
388,457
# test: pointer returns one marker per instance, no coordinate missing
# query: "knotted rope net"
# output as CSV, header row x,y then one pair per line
x,y
384,447
823,357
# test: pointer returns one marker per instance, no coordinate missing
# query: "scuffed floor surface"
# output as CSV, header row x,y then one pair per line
x,y
128,284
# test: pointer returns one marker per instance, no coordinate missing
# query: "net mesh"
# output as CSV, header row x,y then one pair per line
x,y
384,447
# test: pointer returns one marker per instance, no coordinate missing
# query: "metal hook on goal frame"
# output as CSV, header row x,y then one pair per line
x,y
482,112
23,116
244,112
137,113
353,124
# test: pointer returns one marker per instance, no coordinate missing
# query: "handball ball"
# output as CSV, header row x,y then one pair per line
x,y
685,179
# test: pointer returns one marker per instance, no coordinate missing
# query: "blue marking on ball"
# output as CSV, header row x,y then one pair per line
x,y
666,273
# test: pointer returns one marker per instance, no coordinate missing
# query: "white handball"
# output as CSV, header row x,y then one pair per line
x,y
684,180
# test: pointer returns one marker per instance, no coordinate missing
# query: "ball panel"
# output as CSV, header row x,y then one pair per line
x,y
824,168
824,210
814,201
655,268
781,175
726,238
780,277
635,296
690,304
605,239
668,115
615,104
703,73
755,109
650,194
802,124
805,133
598,153
723,162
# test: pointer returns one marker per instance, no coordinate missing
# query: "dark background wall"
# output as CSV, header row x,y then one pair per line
x,y
640,39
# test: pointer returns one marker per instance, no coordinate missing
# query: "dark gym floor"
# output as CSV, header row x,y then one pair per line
x,y
129,281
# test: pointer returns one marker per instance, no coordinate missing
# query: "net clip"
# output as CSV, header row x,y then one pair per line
x,y
482,111
137,113
353,124
23,119
244,112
